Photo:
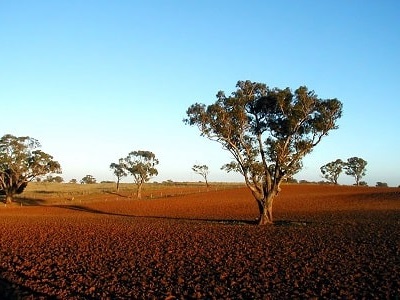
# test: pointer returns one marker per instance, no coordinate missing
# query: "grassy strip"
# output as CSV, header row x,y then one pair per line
x,y
51,193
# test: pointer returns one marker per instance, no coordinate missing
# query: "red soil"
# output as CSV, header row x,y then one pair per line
x,y
328,242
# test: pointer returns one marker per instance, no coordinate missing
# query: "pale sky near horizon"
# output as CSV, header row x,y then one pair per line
x,y
94,80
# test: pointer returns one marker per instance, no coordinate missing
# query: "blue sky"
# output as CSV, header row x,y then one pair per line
x,y
94,80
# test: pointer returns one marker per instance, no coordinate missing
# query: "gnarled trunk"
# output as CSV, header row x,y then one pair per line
x,y
265,209
9,198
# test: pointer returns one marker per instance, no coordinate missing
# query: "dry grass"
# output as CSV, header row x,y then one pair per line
x,y
57,193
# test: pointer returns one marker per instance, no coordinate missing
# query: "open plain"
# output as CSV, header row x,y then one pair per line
x,y
328,242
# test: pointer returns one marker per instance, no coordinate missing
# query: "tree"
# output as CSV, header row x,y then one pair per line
x,y
355,167
21,162
203,171
88,179
267,131
50,178
141,165
332,170
381,184
119,170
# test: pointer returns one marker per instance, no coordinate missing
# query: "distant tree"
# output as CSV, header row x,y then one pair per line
x,y
291,180
363,183
73,180
303,181
168,182
203,171
381,184
267,131
141,165
58,179
332,170
20,163
119,170
51,178
355,166
88,179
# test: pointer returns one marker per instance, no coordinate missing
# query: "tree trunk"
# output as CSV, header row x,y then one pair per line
x,y
118,185
265,215
139,191
265,209
9,198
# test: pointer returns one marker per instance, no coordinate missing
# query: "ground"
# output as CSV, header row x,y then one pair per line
x,y
328,242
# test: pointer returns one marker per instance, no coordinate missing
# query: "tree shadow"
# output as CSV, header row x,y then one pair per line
x,y
291,223
19,201
82,208
11,291
278,223
117,194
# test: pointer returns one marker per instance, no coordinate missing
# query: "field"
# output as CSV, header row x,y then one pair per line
x,y
184,242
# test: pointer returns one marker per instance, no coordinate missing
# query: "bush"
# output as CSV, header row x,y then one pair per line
x,y
381,184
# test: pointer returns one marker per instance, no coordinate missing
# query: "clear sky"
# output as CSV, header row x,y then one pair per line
x,y
93,80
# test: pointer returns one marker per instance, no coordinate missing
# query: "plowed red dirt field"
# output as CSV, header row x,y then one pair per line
x,y
328,242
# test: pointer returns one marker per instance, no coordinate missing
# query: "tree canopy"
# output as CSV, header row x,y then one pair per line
x,y
332,170
119,170
268,131
356,167
88,179
142,166
203,171
21,162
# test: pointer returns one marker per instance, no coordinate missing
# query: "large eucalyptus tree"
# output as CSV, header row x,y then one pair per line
x,y
268,131
21,162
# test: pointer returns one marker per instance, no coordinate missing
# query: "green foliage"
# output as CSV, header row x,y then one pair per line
x,y
21,162
356,167
332,170
381,184
51,178
142,166
88,179
119,170
267,131
202,170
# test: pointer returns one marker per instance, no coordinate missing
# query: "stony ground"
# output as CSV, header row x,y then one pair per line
x,y
327,243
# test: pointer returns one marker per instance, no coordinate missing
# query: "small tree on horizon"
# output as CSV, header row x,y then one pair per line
x,y
22,162
141,165
356,167
332,170
203,171
119,170
267,131
88,179
50,178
